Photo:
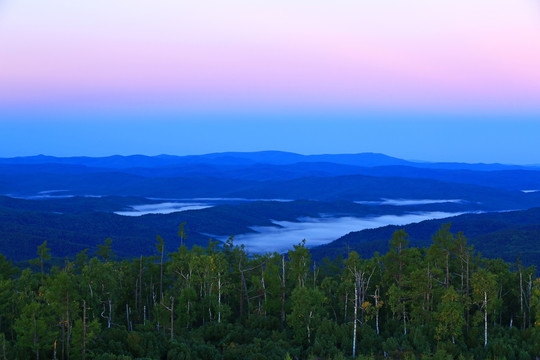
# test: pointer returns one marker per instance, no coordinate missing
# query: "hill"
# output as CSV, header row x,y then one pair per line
x,y
508,235
71,202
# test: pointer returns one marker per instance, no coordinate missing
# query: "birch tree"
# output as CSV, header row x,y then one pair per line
x,y
484,292
307,313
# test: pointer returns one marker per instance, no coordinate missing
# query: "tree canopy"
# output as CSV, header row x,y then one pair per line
x,y
220,302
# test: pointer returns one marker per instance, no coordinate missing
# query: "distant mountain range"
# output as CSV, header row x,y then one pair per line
x,y
71,201
251,158
273,165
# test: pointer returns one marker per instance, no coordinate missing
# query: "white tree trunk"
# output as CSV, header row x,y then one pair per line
x,y
172,318
283,290
376,296
485,319
345,310
521,298
84,333
404,321
110,315
355,318
308,328
219,299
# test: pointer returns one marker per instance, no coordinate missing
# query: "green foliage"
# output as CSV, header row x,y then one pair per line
x,y
105,250
450,317
33,329
300,262
535,303
81,341
307,313
7,270
411,303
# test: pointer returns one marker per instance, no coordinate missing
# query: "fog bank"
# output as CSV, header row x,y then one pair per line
x,y
319,231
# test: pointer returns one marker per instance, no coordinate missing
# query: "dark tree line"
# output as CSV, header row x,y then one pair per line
x,y
219,302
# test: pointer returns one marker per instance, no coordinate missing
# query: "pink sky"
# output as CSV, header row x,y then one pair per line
x,y
407,54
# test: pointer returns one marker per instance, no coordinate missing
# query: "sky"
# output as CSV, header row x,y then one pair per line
x,y
426,80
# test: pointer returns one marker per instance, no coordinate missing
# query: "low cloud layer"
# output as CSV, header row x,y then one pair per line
x,y
410,202
162,208
285,234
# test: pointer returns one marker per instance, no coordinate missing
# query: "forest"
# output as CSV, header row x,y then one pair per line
x,y
445,301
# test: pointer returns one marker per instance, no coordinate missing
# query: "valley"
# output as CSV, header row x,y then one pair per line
x,y
268,201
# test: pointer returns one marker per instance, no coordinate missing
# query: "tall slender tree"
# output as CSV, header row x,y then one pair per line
x,y
484,293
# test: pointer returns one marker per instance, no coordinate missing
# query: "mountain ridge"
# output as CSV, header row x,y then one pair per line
x,y
367,159
375,182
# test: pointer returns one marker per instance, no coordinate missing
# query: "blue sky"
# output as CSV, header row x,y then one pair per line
x,y
417,79
414,137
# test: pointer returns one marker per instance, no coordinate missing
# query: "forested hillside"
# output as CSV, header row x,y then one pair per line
x,y
371,294
72,224
509,235
76,202
440,302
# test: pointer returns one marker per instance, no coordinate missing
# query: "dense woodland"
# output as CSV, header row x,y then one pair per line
x,y
219,302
